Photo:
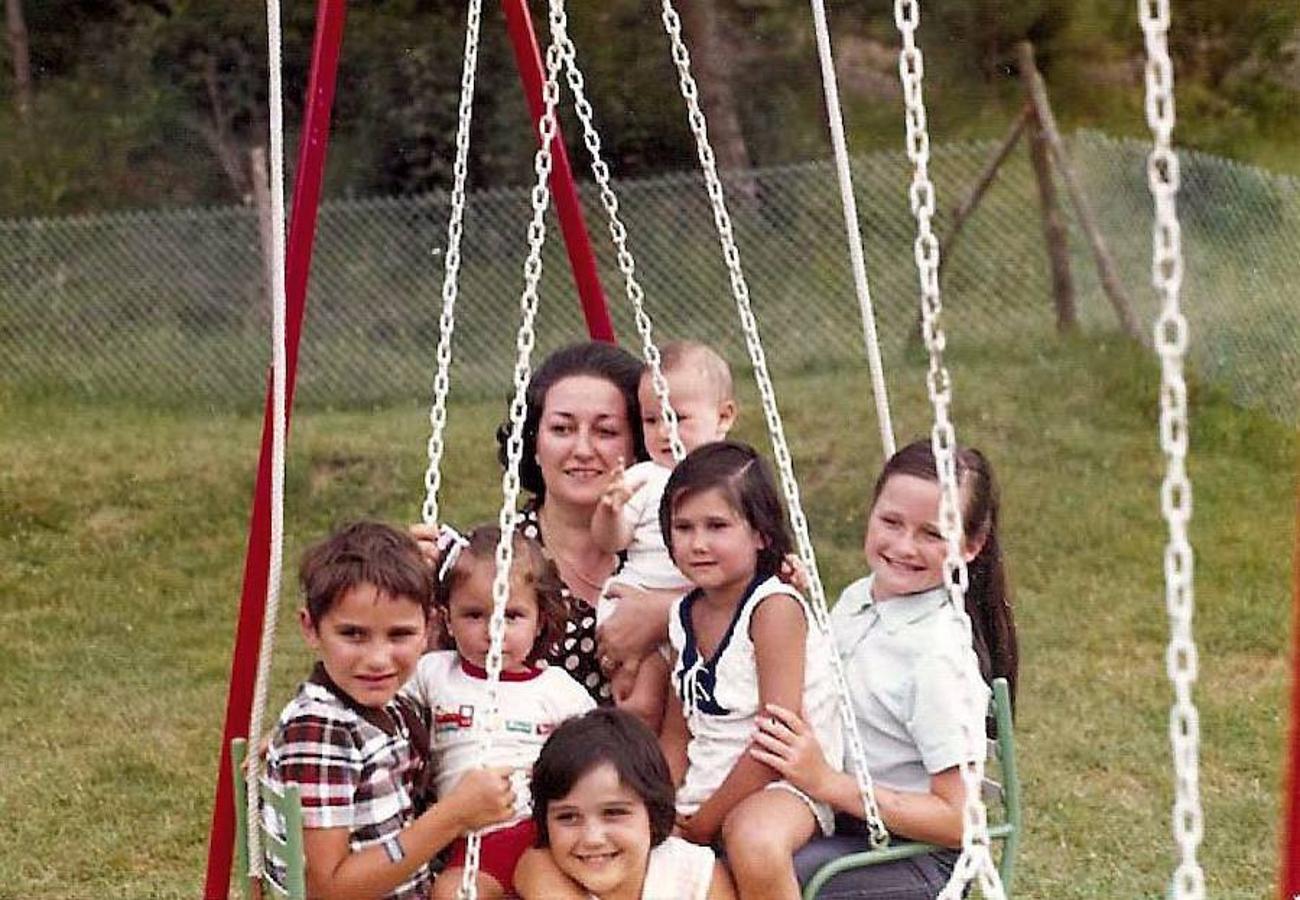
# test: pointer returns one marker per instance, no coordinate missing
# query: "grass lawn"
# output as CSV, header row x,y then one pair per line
x,y
121,542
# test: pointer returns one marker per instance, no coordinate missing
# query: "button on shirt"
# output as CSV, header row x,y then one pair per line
x,y
905,659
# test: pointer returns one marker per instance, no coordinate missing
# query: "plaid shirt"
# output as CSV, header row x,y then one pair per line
x,y
355,766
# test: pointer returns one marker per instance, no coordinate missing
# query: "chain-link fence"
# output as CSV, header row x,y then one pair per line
x,y
170,306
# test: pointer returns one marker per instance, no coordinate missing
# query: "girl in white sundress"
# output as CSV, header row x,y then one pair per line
x,y
742,639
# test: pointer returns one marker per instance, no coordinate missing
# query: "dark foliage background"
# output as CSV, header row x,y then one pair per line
x,y
143,103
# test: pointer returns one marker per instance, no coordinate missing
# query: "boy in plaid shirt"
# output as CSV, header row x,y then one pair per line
x,y
356,749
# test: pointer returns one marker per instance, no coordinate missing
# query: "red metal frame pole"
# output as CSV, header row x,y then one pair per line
x,y
330,16
1289,883
568,208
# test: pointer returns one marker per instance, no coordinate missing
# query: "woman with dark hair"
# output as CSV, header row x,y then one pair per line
x,y
582,423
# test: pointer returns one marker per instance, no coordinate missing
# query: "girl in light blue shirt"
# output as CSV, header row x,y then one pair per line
x,y
907,657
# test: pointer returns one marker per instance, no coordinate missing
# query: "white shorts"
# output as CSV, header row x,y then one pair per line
x,y
822,813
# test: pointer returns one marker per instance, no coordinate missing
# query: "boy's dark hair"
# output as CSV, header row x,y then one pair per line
x,y
988,598
605,735
364,553
531,563
594,358
745,480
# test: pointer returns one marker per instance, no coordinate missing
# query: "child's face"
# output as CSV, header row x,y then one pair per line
x,y
701,415
713,544
600,834
471,609
368,641
904,546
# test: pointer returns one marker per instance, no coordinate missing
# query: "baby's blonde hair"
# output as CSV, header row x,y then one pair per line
x,y
707,363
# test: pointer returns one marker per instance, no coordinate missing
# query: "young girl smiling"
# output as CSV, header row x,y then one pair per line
x,y
603,805
906,654
742,641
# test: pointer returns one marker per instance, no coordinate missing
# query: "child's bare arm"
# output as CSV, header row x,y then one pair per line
x,y
645,692
640,623
673,738
787,744
537,877
481,798
746,777
777,625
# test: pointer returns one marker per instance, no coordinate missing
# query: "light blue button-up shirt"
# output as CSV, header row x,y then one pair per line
x,y
905,659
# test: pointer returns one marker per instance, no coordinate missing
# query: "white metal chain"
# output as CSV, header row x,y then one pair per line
x,y
853,231
451,265
1176,491
279,427
489,724
976,860
879,835
618,232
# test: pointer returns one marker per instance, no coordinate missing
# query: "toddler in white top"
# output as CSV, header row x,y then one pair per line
x,y
531,701
627,519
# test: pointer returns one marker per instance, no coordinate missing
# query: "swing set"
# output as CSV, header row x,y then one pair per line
x,y
542,76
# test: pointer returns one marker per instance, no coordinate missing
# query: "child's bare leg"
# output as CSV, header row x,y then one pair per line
x,y
447,884
537,877
761,834
645,696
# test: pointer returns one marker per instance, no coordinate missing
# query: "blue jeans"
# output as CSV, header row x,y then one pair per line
x,y
918,878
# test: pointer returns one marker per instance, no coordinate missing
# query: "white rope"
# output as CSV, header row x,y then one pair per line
x,y
279,416
618,233
451,266
976,860
1176,490
853,232
879,836
489,723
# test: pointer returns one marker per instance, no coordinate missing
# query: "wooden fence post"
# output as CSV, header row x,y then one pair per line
x,y
1054,233
1105,265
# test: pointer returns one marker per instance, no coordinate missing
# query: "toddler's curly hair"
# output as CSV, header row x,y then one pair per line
x,y
531,564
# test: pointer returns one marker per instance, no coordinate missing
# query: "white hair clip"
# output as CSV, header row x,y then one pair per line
x,y
450,543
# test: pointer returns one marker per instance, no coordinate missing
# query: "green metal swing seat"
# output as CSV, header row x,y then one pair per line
x,y
1007,829
288,849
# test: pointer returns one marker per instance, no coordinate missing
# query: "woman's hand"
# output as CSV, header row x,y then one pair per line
x,y
637,626
786,743
426,538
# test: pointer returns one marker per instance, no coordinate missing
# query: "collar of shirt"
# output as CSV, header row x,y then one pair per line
x,y
474,671
895,612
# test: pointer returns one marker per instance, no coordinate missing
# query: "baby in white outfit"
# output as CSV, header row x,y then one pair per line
x,y
627,519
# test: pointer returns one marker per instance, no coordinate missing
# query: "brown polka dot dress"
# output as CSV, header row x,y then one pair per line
x,y
576,651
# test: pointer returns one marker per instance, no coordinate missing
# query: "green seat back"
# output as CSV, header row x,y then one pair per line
x,y
288,849
1005,828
